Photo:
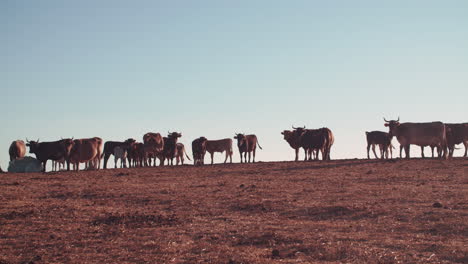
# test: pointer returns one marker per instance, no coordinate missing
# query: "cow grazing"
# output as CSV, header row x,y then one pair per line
x,y
25,165
17,150
55,150
199,150
457,134
421,134
120,153
153,146
316,140
380,138
170,148
87,150
109,147
58,165
180,154
247,144
221,145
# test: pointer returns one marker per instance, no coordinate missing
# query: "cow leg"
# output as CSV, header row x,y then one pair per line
x,y
115,163
249,154
44,163
106,158
466,148
254,155
401,149
368,149
211,154
432,151
297,154
407,151
422,152
373,150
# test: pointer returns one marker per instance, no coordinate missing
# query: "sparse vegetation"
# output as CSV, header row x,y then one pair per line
x,y
408,211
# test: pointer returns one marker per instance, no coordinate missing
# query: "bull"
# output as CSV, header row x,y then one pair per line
x,y
55,150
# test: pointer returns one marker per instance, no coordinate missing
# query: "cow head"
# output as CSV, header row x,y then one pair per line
x,y
241,139
33,145
392,126
67,145
174,135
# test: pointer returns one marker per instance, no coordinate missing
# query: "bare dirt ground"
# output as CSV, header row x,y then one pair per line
x,y
348,211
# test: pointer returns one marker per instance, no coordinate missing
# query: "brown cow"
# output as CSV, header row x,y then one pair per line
x,y
109,147
199,150
247,144
180,153
221,145
421,134
55,150
17,150
136,155
292,137
153,146
170,148
380,138
457,134
87,150
316,139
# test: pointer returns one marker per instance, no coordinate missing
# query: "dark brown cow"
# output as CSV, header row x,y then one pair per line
x,y
154,146
293,139
136,155
109,147
17,150
86,150
457,134
247,144
316,139
380,138
170,148
180,154
55,150
199,150
222,145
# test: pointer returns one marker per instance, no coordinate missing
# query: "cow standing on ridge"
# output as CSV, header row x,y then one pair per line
x,y
222,145
199,150
382,139
180,154
247,144
109,147
55,150
421,134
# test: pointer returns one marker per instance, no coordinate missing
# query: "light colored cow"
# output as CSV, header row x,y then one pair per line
x,y
88,151
17,150
421,134
180,153
26,164
222,145
120,153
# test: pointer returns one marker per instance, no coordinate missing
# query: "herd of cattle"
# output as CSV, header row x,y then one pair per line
x,y
91,151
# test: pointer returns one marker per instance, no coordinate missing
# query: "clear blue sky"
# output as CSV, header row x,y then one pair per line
x,y
118,69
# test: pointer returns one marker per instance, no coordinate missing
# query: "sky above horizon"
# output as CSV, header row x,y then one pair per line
x,y
119,69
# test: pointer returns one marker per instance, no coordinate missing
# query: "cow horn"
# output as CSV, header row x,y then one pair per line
x,y
385,120
72,138
304,127
27,141
293,127
37,140
398,119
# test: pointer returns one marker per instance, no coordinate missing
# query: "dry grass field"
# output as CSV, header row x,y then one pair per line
x,y
345,211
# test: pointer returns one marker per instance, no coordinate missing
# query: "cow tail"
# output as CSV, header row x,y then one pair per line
x,y
258,144
187,155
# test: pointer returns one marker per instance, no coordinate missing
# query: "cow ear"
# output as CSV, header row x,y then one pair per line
x,y
235,137
386,124
282,133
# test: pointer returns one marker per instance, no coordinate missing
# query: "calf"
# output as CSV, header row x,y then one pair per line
x,y
120,153
380,138
109,147
180,153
